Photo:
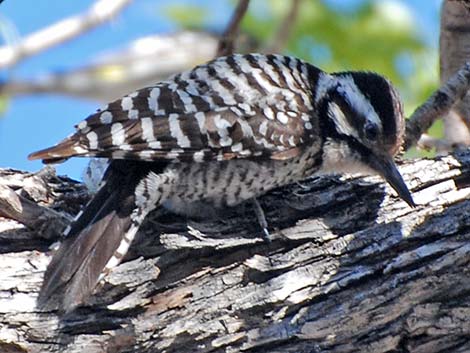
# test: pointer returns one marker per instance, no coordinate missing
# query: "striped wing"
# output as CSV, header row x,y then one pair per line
x,y
233,107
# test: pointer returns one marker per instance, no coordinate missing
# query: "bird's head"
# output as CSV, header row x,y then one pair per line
x,y
362,123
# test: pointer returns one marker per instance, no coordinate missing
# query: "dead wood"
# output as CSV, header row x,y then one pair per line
x,y
351,269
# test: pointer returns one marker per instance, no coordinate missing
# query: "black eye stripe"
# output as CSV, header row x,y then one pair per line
x,y
381,96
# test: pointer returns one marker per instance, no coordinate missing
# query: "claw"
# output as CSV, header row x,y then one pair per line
x,y
261,219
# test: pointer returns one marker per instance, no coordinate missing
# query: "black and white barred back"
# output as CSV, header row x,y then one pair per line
x,y
222,133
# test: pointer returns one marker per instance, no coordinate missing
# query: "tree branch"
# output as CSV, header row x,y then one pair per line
x,y
440,102
285,29
122,71
226,43
60,32
351,268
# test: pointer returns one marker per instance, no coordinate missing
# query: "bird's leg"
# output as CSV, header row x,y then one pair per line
x,y
261,218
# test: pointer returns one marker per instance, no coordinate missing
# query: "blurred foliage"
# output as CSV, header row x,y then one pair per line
x,y
4,100
374,35
188,15
378,36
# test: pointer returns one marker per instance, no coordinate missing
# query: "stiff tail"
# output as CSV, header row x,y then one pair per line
x,y
101,235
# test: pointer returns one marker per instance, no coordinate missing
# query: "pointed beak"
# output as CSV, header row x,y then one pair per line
x,y
386,167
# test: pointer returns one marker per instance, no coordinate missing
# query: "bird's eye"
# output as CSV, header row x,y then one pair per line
x,y
371,132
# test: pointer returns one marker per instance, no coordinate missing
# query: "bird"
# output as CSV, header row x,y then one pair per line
x,y
222,133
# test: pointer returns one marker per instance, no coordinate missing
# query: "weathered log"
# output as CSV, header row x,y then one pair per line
x,y
351,268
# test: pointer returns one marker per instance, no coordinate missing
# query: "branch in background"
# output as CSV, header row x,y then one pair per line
x,y
118,72
427,143
226,43
283,33
437,105
60,32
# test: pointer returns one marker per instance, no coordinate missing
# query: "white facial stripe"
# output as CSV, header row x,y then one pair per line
x,y
341,122
348,89
356,99
324,84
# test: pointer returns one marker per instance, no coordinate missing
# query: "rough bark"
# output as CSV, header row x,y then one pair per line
x,y
351,269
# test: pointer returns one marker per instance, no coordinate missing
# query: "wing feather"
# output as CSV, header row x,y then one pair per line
x,y
183,119
223,135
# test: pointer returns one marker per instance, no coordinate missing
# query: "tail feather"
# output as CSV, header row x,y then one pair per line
x,y
74,255
98,239
84,279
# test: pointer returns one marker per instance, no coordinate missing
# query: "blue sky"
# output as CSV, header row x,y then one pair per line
x,y
34,122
